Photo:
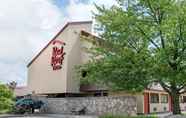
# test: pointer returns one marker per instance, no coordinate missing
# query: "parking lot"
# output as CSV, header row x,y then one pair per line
x,y
45,116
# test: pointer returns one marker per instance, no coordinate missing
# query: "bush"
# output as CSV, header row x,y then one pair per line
x,y
6,99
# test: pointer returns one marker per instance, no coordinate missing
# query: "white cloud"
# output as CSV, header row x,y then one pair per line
x,y
79,11
25,29
83,11
27,26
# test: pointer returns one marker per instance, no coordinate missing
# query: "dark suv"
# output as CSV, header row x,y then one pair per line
x,y
27,105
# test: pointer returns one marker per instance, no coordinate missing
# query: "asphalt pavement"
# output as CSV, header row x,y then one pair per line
x,y
44,116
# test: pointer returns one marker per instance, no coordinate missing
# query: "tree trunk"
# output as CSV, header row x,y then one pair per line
x,y
175,102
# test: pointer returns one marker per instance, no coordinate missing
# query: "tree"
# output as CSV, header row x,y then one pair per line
x,y
6,98
12,85
144,41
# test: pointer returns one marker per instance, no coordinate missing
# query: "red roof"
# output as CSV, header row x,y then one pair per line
x,y
69,23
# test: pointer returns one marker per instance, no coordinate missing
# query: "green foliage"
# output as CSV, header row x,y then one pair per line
x,y
115,72
6,98
144,41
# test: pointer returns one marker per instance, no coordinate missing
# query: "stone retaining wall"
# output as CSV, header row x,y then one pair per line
x,y
94,105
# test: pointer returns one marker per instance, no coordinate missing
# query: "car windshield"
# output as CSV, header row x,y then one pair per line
x,y
24,101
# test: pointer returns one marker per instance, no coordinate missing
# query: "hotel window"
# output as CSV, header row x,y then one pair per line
x,y
84,73
164,98
154,98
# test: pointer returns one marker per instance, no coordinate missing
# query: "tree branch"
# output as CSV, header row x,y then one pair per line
x,y
182,87
132,46
143,33
158,19
180,31
181,36
165,87
183,92
162,39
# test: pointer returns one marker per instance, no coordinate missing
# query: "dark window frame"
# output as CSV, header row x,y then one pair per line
x,y
166,100
184,99
84,73
154,98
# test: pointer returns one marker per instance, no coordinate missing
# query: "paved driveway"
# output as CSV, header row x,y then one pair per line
x,y
45,116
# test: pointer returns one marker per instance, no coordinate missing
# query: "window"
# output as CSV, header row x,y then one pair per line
x,y
154,98
84,73
184,99
181,99
164,98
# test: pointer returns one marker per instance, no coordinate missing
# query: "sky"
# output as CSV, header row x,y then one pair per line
x,y
27,27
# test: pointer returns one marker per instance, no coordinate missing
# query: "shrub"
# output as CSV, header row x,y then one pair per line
x,y
6,98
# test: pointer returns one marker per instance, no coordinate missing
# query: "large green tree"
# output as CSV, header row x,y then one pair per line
x,y
144,41
6,98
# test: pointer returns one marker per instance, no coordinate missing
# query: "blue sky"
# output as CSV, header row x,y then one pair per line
x,y
61,3
27,27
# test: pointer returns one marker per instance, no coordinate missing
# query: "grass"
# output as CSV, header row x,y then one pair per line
x,y
111,116
4,111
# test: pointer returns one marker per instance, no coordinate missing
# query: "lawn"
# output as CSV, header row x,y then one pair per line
x,y
108,116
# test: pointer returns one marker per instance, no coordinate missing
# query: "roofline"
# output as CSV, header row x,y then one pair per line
x,y
156,90
21,87
64,27
87,34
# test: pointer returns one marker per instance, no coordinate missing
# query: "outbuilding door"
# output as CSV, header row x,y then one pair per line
x,y
146,103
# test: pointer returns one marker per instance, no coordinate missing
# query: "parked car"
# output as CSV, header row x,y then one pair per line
x,y
27,105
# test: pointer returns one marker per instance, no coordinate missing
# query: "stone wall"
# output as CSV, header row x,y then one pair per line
x,y
94,105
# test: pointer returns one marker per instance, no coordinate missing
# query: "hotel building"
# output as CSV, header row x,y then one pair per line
x,y
52,71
